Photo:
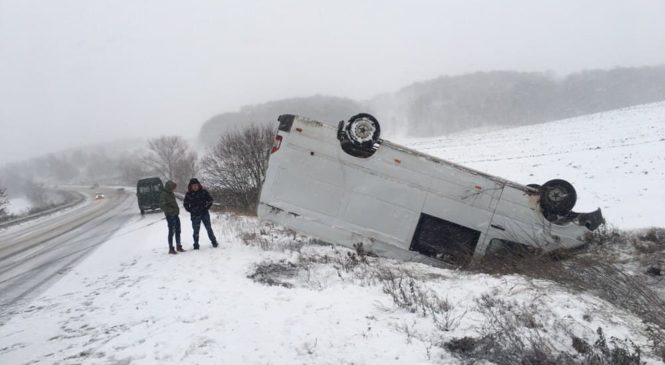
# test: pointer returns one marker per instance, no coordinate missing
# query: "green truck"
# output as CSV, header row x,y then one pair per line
x,y
147,193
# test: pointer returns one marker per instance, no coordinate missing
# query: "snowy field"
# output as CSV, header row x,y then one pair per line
x,y
267,296
615,160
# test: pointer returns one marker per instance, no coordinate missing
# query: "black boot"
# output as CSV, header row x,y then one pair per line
x,y
180,249
196,246
214,244
172,251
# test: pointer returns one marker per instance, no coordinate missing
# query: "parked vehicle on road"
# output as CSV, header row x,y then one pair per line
x,y
99,196
147,193
345,185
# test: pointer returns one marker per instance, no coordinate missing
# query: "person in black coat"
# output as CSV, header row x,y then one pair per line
x,y
197,202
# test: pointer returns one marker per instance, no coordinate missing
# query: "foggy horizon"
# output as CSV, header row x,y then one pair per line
x,y
77,73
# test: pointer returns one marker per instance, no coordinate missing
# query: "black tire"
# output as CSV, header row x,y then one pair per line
x,y
557,197
363,130
142,212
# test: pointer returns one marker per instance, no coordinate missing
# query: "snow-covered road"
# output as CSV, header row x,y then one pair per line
x,y
35,254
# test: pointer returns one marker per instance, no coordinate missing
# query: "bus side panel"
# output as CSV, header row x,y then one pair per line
x,y
381,207
309,182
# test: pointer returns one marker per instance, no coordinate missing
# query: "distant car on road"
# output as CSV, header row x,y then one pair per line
x,y
99,196
147,193
345,185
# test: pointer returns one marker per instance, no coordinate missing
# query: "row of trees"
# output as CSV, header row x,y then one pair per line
x,y
506,98
3,202
94,164
453,103
233,168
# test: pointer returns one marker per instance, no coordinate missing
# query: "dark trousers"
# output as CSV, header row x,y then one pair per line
x,y
196,226
174,229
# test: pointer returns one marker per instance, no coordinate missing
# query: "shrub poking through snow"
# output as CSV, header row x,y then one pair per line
x,y
656,338
618,352
594,271
274,273
407,294
513,334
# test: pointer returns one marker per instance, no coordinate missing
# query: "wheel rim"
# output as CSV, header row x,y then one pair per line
x,y
557,194
362,130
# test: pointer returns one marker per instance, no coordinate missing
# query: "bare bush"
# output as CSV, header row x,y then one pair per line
x,y
407,294
235,166
617,352
253,239
511,334
605,234
656,337
591,272
274,273
273,241
171,158
656,235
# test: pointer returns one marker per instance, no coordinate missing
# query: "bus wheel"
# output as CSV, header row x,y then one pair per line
x,y
363,130
557,197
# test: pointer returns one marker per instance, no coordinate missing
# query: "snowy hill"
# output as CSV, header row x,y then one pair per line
x,y
615,160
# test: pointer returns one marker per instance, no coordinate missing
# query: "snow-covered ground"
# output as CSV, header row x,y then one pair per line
x,y
615,160
267,296
130,302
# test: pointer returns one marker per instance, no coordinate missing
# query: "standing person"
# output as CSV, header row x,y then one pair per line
x,y
169,206
197,202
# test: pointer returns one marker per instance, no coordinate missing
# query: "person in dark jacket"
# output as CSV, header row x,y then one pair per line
x,y
197,202
169,206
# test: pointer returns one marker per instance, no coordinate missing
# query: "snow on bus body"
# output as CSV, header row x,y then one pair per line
x,y
402,203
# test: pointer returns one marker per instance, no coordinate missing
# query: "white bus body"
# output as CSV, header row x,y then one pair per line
x,y
402,203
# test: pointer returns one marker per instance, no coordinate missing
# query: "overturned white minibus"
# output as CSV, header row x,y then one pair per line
x,y
345,185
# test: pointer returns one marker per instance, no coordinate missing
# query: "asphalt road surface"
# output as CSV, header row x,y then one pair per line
x,y
36,254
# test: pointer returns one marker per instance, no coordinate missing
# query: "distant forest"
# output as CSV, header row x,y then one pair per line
x,y
324,108
454,103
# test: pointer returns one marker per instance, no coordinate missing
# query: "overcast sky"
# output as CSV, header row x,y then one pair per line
x,y
78,72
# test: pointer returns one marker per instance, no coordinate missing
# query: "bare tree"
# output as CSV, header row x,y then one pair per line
x,y
186,168
171,158
235,167
132,170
